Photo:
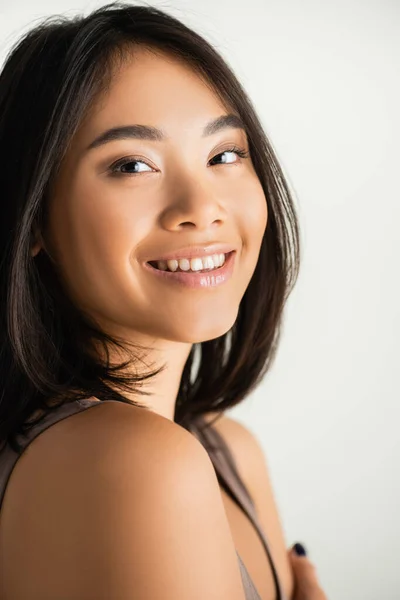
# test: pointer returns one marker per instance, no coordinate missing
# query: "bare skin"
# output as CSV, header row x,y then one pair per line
x,y
307,585
298,574
102,227
254,472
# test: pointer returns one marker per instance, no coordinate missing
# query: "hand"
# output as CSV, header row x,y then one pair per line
x,y
306,584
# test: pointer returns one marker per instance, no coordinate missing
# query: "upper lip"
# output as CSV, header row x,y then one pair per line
x,y
195,251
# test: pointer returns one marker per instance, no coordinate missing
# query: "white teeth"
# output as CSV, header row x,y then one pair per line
x,y
197,264
194,264
184,264
172,265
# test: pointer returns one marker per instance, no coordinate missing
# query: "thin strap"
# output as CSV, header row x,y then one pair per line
x,y
227,470
248,584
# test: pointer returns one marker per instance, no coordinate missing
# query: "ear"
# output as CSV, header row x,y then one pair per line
x,y
37,243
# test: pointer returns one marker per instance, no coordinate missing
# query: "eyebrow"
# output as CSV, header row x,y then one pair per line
x,y
146,132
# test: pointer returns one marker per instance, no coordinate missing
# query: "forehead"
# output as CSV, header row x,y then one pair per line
x,y
152,87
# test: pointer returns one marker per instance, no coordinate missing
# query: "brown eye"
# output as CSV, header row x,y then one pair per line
x,y
123,162
238,151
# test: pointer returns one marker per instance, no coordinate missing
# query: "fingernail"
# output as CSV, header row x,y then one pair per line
x,y
299,549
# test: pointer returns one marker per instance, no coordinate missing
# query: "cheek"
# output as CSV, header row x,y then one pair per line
x,y
253,219
254,214
94,231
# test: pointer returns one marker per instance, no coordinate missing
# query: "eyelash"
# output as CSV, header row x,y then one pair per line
x,y
241,152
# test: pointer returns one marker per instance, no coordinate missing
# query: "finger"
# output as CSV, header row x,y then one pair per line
x,y
304,571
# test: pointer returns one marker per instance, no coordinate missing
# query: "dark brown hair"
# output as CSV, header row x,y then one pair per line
x,y
49,81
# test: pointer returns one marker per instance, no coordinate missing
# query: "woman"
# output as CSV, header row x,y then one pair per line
x,y
145,221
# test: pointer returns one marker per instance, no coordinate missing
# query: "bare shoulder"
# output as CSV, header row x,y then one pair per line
x,y
123,503
253,468
104,430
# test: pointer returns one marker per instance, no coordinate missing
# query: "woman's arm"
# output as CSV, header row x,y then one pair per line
x,y
252,467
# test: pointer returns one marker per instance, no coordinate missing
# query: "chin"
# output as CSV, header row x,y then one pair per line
x,y
188,328
204,331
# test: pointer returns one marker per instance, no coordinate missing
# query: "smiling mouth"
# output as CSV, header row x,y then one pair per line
x,y
179,270
163,266
203,279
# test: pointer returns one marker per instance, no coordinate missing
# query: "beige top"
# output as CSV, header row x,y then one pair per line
x,y
220,455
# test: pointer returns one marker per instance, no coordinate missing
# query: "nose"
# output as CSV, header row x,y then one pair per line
x,y
195,206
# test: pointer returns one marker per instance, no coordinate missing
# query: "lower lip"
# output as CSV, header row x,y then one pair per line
x,y
190,279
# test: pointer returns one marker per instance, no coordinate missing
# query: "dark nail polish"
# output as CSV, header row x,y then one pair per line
x,y
299,549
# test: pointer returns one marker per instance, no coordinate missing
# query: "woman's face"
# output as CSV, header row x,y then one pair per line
x,y
170,194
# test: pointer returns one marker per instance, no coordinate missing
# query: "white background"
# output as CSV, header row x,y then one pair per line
x,y
324,78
